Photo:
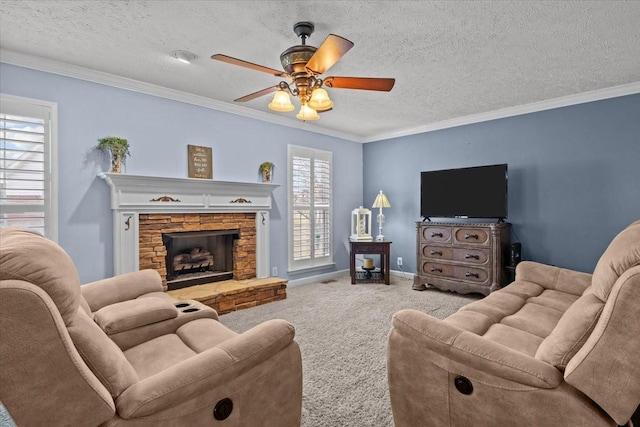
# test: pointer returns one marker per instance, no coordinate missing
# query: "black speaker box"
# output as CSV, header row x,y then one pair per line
x,y
515,254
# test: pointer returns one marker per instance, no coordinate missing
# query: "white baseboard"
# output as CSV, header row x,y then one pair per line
x,y
338,274
403,274
317,278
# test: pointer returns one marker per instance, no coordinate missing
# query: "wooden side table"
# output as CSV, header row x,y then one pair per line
x,y
380,248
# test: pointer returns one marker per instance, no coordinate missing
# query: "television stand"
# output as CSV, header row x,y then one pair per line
x,y
462,257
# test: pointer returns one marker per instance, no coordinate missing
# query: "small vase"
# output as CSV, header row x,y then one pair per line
x,y
116,163
266,175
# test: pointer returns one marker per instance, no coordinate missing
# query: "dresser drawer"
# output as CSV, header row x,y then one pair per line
x,y
437,252
437,269
471,255
470,273
471,236
436,234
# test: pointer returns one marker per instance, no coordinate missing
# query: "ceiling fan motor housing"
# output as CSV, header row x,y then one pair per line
x,y
295,58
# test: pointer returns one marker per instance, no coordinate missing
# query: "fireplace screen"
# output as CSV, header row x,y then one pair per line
x,y
196,257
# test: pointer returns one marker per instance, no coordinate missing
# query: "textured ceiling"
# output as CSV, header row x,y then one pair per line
x,y
450,59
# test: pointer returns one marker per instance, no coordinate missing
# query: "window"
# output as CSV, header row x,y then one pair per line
x,y
27,174
310,209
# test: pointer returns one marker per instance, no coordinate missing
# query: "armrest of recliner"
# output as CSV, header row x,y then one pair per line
x,y
123,287
472,350
127,315
552,277
205,371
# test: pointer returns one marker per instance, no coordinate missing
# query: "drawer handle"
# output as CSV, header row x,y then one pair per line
x,y
436,270
467,256
434,234
439,253
467,274
471,236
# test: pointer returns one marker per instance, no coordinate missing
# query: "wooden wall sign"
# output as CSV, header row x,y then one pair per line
x,y
200,161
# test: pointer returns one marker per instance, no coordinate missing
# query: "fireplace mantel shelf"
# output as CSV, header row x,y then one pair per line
x,y
160,194
135,195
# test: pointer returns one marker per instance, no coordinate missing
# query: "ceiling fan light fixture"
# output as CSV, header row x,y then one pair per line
x,y
184,56
307,113
320,100
281,102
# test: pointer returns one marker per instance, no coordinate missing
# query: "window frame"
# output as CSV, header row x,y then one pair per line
x,y
48,111
299,266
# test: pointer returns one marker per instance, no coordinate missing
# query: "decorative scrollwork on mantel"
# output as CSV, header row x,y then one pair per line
x,y
164,199
241,200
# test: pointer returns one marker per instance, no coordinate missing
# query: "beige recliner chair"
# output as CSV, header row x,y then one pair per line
x,y
554,348
121,352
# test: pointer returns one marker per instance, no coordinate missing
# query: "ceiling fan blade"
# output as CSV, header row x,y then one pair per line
x,y
363,83
250,65
329,52
257,94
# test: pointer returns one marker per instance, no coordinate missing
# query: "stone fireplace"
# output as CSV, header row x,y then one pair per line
x,y
202,247
195,257
146,209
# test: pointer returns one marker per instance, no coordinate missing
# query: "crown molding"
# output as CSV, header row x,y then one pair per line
x,y
100,77
564,101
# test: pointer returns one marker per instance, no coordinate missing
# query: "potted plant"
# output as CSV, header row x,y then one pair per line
x,y
117,148
266,171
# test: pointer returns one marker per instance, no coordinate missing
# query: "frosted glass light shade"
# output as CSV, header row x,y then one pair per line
x,y
320,100
281,102
307,113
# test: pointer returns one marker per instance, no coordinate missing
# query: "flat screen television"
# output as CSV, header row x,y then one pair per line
x,y
474,192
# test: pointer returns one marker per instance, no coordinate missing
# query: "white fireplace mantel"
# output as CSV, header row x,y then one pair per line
x,y
132,195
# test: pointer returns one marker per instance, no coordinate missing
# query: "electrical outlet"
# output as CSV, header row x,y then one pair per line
x,y
399,261
274,271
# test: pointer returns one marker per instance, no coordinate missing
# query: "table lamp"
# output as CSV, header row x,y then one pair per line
x,y
381,202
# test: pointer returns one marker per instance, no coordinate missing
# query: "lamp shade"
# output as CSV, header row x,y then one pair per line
x,y
320,100
381,201
281,102
307,113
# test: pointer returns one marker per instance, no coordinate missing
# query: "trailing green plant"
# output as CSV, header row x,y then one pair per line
x,y
117,148
266,166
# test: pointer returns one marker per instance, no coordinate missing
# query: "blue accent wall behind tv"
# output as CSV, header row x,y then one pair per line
x,y
574,177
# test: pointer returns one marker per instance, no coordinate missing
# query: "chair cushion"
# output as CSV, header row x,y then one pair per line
x,y
572,331
26,255
622,253
158,354
203,334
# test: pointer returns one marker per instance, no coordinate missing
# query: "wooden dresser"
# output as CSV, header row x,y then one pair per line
x,y
462,257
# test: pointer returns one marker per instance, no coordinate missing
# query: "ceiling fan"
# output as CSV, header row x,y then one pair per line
x,y
303,64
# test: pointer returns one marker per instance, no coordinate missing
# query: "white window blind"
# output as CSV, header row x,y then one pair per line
x,y
27,186
310,209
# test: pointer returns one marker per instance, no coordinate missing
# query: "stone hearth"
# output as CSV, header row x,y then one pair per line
x,y
232,295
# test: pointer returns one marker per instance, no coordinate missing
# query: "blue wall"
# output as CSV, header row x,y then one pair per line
x,y
574,172
574,177
159,131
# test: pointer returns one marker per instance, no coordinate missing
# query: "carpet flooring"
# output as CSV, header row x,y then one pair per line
x,y
342,332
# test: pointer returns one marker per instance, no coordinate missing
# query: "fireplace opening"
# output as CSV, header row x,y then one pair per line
x,y
196,257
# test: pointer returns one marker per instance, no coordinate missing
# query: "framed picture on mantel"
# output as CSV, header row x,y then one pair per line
x,y
200,161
